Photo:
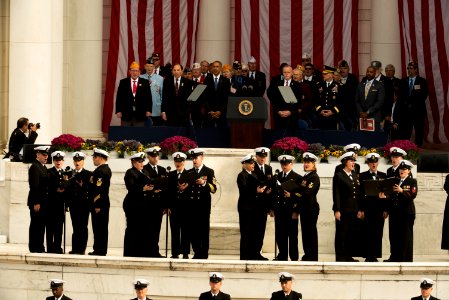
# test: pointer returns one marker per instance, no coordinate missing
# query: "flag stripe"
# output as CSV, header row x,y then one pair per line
x,y
296,22
352,39
141,18
338,31
318,32
274,33
255,32
175,46
238,29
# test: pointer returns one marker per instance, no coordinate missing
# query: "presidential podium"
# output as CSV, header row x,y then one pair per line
x,y
246,117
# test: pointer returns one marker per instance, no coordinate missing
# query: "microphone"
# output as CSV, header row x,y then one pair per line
x,y
244,88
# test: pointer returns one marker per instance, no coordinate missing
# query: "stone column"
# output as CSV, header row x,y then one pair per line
x,y
4,65
214,31
385,39
35,65
83,68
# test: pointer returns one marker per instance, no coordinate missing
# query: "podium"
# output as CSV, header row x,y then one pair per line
x,y
246,116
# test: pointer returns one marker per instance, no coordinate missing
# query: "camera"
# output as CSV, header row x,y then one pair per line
x,y
38,125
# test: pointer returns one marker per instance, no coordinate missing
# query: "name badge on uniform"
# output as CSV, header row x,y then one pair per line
x,y
99,182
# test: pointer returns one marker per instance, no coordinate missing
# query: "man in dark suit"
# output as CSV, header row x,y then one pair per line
x,y
159,69
175,108
285,114
200,201
388,87
217,93
369,99
375,211
287,293
133,104
156,199
426,286
78,202
256,79
23,134
99,193
38,200
57,289
413,93
346,207
141,287
347,89
328,105
215,282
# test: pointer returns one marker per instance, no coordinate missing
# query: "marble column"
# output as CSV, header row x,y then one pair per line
x,y
214,31
36,65
83,68
385,39
4,63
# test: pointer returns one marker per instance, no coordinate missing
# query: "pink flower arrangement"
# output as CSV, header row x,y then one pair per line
x,y
67,142
289,145
412,149
177,143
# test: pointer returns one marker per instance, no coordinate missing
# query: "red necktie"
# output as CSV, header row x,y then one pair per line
x,y
134,86
177,87
286,83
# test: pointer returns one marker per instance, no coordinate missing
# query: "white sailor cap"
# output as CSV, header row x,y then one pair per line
x,y
285,276
307,156
140,283
215,277
262,151
348,155
58,155
196,152
153,151
78,155
179,156
139,156
42,149
396,151
196,66
247,159
252,59
426,283
286,158
351,147
405,164
55,283
101,152
372,157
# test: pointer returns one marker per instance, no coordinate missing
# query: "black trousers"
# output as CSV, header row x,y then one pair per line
x,y
80,219
309,235
153,227
286,234
344,235
180,231
135,243
200,233
100,224
251,225
401,235
36,232
55,226
374,221
415,119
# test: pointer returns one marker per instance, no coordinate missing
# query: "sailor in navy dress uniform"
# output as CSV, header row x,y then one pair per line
x,y
77,192
426,286
38,200
57,288
56,203
200,201
286,214
215,282
179,208
99,193
136,242
141,287
402,214
287,293
250,209
375,210
308,207
354,147
156,199
346,207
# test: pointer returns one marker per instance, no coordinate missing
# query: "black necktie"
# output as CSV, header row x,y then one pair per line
x,y
179,175
197,171
155,169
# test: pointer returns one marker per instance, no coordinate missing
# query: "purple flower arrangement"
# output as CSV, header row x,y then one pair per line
x,y
289,145
67,142
177,143
412,149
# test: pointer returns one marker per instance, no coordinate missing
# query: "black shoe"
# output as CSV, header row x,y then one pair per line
x,y
95,253
371,259
174,256
389,260
185,256
261,257
350,259
277,258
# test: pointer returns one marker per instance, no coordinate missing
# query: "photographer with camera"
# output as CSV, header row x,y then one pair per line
x,y
25,133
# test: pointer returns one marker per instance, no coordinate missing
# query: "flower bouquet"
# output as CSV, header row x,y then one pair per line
x,y
291,146
177,144
319,150
67,142
412,149
90,144
132,146
335,151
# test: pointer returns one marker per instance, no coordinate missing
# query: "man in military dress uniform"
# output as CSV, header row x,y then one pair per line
x,y
328,104
156,198
426,286
38,200
215,282
56,203
77,192
200,200
287,293
99,193
57,289
141,287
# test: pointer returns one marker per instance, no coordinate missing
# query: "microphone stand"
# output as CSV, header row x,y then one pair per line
x,y
166,224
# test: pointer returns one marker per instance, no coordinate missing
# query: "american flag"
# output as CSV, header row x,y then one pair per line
x,y
141,27
282,31
424,32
